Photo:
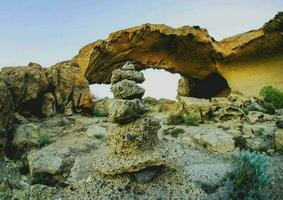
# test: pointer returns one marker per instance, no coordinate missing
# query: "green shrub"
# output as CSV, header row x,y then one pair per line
x,y
43,140
260,131
192,120
249,178
272,96
175,119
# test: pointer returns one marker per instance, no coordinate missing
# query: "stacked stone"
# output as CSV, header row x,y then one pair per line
x,y
132,143
127,105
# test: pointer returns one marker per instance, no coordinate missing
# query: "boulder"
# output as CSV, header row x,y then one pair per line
x,y
195,105
68,84
25,83
101,107
52,164
133,147
25,137
278,139
126,89
120,74
279,123
163,105
183,87
68,110
215,140
7,110
124,111
48,105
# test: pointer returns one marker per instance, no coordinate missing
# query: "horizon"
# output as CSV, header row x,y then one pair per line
x,y
53,31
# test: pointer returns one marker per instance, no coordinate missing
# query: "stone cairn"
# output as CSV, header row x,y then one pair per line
x,y
132,143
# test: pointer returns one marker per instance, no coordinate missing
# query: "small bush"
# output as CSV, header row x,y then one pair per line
x,y
192,120
272,96
249,178
260,131
43,140
175,119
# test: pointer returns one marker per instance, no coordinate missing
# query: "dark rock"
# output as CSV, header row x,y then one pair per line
x,y
279,123
148,174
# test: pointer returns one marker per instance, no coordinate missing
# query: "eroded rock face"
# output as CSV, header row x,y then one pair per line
x,y
69,86
191,52
189,44
7,111
45,91
25,83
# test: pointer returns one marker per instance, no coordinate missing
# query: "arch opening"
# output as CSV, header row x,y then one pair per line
x,y
160,83
214,85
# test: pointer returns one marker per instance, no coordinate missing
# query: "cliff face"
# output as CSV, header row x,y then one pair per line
x,y
247,61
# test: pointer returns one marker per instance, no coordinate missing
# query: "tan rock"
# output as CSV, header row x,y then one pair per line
x,y
7,112
126,89
123,111
183,87
48,105
216,140
68,83
195,105
197,55
25,83
278,139
134,146
120,74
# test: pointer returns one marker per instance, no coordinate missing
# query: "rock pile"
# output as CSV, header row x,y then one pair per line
x,y
132,143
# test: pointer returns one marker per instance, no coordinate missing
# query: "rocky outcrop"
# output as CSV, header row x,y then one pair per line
x,y
45,91
26,84
69,86
132,142
191,52
7,111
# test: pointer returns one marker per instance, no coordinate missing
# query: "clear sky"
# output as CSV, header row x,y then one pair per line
x,y
50,31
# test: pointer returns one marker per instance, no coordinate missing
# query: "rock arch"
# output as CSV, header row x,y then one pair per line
x,y
256,56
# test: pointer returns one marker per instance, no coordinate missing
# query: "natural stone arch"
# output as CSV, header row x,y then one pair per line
x,y
186,50
246,61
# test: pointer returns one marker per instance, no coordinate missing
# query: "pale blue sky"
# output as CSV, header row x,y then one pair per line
x,y
53,30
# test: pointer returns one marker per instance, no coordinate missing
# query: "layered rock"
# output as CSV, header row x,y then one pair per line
x,y
191,52
132,143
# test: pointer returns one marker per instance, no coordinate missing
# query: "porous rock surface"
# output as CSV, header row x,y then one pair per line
x,y
193,53
132,142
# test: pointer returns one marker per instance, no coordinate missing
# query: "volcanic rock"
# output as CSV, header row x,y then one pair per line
x,y
127,90
123,111
121,74
196,55
48,105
